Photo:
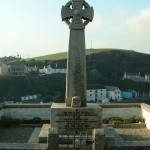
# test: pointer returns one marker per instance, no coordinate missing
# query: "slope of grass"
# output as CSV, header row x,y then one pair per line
x,y
63,55
57,56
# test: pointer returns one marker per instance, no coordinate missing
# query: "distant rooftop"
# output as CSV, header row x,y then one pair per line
x,y
95,86
111,88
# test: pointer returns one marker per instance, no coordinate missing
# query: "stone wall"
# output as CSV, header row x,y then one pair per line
x,y
26,111
43,111
1,110
146,114
125,111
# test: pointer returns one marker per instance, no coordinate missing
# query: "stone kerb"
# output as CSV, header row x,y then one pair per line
x,y
98,139
129,145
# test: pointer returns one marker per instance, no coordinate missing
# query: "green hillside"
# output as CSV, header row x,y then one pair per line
x,y
104,67
63,55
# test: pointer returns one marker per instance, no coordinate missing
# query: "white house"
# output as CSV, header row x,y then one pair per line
x,y
31,69
50,70
3,69
113,92
96,94
30,97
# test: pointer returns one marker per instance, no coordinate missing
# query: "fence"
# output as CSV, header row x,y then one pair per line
x,y
76,141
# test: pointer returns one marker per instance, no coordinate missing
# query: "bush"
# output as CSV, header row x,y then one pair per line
x,y
8,121
36,120
137,119
126,121
115,120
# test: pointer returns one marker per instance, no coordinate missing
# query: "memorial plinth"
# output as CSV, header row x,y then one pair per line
x,y
75,120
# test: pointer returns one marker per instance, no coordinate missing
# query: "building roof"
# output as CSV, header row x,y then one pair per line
x,y
1,63
95,86
111,88
133,74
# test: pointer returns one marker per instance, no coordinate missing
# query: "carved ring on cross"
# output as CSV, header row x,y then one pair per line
x,y
77,14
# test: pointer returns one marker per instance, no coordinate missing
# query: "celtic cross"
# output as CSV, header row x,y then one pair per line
x,y
77,14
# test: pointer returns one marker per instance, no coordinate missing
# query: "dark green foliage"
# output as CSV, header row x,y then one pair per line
x,y
137,119
36,120
115,120
118,120
105,67
7,121
12,88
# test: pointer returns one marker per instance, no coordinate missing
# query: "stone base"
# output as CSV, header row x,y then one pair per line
x,y
76,120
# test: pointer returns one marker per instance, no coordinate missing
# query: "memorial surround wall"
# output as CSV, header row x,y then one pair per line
x,y
29,111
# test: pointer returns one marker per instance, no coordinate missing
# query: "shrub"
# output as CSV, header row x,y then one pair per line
x,y
115,122
126,121
106,121
137,119
8,121
36,120
116,119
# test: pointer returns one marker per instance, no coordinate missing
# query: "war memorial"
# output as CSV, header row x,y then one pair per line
x,y
75,116
76,124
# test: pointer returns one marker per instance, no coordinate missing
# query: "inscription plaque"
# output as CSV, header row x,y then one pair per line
x,y
76,119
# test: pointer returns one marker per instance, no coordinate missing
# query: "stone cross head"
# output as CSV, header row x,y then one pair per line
x,y
77,14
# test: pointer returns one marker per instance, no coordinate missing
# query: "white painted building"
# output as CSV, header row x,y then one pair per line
x,y
31,69
94,95
3,69
30,97
113,92
136,77
50,70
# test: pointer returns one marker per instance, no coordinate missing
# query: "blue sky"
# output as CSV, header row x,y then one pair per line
x,y
34,27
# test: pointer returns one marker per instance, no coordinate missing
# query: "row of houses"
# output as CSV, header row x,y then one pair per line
x,y
99,94
50,70
137,77
15,69
110,92
19,69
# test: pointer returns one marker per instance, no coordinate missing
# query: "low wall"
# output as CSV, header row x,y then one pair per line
x,y
146,114
1,110
29,111
123,110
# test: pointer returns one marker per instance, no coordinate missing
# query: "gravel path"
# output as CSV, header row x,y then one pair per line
x,y
15,134
132,134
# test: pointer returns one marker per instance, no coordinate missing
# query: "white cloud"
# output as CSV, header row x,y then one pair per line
x,y
97,23
141,22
